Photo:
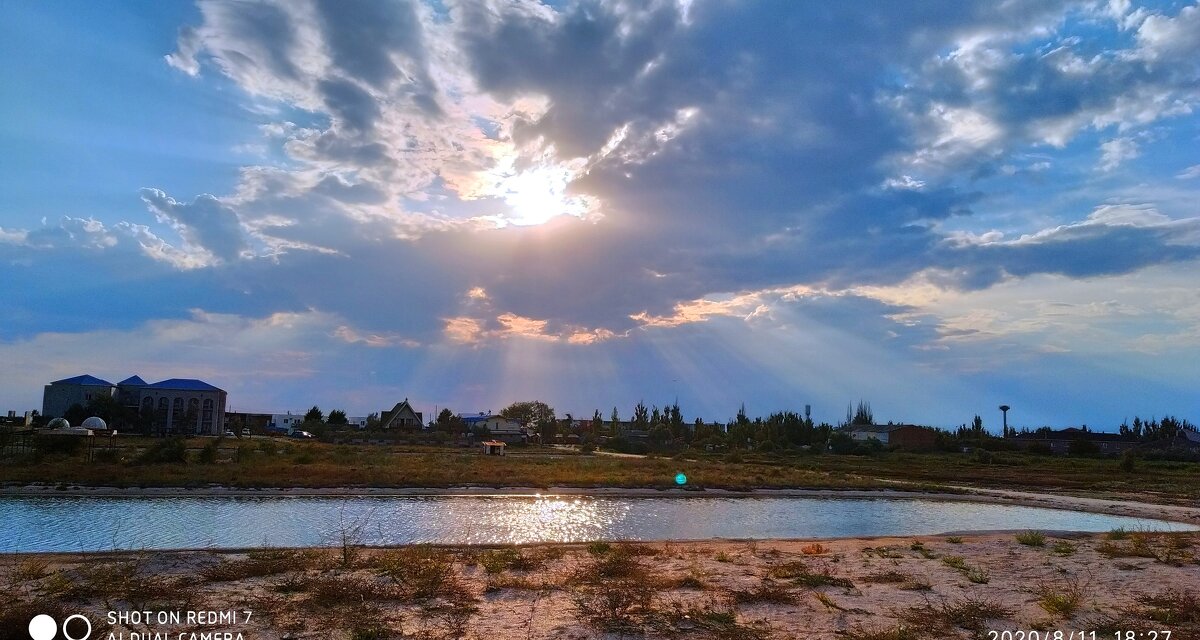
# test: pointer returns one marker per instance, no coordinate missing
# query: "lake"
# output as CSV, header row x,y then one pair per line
x,y
111,523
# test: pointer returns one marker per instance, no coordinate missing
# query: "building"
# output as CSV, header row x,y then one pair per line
x,y
900,436
493,448
1073,439
285,422
60,395
498,427
237,420
176,405
401,416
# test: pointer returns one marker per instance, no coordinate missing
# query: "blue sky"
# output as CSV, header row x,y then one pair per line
x,y
939,208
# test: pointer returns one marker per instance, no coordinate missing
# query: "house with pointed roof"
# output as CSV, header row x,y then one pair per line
x,y
401,416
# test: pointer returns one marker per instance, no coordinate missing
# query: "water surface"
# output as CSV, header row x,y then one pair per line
x,y
109,523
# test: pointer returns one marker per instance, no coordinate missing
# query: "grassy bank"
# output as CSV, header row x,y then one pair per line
x,y
263,462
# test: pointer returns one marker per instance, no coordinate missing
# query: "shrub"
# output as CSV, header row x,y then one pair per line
x,y
171,450
208,455
814,549
1032,538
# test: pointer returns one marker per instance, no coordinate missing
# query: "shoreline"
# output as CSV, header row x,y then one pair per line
x,y
1174,513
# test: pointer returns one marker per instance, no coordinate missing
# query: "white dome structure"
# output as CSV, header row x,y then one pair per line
x,y
58,423
94,422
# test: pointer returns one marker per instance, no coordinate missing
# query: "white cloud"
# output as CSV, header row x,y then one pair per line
x,y
1190,172
1116,151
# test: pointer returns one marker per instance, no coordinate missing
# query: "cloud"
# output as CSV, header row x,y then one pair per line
x,y
1116,151
204,224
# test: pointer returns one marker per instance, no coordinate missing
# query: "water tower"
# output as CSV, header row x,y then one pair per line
x,y
1004,410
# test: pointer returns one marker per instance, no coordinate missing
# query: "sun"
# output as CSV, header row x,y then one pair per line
x,y
538,194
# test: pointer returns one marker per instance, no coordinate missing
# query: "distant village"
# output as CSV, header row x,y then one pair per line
x,y
191,407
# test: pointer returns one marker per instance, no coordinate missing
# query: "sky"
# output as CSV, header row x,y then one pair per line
x,y
937,208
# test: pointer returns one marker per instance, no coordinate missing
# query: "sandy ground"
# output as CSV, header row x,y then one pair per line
x,y
897,588
1178,513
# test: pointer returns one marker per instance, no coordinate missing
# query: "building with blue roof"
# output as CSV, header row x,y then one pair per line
x,y
183,406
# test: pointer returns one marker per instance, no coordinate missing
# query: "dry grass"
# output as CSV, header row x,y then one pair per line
x,y
767,591
801,574
265,562
29,570
969,612
880,633
1032,538
887,577
1060,599
814,549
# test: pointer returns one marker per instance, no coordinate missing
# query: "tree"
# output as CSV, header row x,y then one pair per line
x,y
337,416
532,413
373,421
314,415
614,423
641,417
597,423
862,414
449,422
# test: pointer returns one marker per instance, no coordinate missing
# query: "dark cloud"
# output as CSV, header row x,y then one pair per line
x,y
205,223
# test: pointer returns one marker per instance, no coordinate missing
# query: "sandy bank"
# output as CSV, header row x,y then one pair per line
x,y
933,586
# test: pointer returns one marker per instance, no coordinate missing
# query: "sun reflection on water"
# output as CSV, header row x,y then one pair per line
x,y
551,518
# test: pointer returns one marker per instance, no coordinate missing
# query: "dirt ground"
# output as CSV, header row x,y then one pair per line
x,y
863,588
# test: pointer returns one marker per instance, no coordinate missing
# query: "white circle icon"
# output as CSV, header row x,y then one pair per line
x,y
42,627
66,622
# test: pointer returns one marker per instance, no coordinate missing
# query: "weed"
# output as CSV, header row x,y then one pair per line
x,y
814,549
800,574
1171,607
1032,538
887,577
599,548
1062,600
1132,550
337,590
265,562
370,632
421,572
827,601
1063,548
954,539
509,558
1117,534
970,613
767,591
956,562
978,575
880,633
29,569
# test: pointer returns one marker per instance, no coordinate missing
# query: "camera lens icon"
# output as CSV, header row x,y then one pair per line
x,y
43,627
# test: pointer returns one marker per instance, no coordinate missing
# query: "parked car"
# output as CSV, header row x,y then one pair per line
x,y
246,432
228,433
304,435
